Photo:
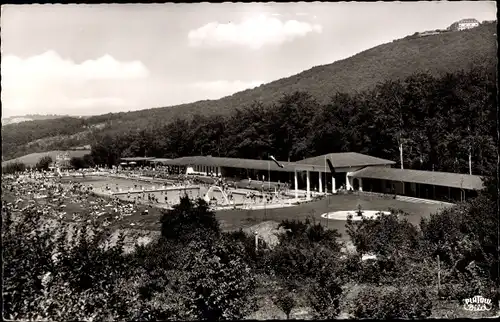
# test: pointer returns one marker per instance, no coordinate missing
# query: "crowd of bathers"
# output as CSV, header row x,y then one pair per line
x,y
51,197
52,193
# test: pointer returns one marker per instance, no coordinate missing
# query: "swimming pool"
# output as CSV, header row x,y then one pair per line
x,y
172,194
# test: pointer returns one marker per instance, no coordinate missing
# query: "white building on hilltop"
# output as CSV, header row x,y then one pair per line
x,y
464,24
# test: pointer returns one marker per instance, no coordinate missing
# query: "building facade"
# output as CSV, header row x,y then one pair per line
x,y
352,172
464,24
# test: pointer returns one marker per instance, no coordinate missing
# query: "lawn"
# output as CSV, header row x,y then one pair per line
x,y
236,219
30,160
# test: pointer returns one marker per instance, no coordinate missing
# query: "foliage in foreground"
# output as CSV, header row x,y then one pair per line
x,y
394,303
195,271
53,271
13,167
44,163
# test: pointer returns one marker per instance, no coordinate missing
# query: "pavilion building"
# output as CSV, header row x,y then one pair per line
x,y
353,171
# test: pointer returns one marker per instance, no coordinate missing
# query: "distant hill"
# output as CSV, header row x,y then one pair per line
x,y
435,54
30,117
30,160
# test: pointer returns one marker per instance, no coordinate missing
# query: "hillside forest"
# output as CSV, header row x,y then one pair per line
x,y
440,123
435,55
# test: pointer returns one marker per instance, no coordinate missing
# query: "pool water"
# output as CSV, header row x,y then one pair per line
x,y
173,196
100,183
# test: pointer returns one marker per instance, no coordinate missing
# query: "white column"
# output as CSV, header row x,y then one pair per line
x,y
360,184
308,191
348,181
320,183
296,185
334,188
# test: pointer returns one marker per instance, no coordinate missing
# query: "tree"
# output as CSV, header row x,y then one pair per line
x,y
13,167
392,303
285,301
47,275
44,163
459,238
77,163
303,251
324,295
189,221
309,232
387,235
215,283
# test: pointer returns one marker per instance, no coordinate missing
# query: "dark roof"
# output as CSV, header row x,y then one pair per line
x,y
159,160
446,179
136,159
468,20
345,160
243,163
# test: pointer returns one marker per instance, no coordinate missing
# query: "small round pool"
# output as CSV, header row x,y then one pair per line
x,y
342,215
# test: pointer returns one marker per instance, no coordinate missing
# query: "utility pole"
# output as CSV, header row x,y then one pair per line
x,y
400,141
439,276
470,151
256,241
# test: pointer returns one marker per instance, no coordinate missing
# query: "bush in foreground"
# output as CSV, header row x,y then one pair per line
x,y
392,303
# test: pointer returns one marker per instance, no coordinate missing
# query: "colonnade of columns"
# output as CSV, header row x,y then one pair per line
x,y
349,183
320,183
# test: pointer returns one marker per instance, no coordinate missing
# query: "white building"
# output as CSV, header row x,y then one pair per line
x,y
464,24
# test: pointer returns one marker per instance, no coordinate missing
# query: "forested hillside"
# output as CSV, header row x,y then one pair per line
x,y
438,122
29,117
436,55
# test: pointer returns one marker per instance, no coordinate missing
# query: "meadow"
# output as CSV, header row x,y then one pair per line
x,y
30,160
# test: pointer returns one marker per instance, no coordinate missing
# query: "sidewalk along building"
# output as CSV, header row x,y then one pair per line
x,y
352,171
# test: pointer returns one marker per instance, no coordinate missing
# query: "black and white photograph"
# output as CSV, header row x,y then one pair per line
x,y
250,161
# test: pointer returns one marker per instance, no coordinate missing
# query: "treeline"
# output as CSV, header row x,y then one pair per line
x,y
197,272
15,137
42,164
439,123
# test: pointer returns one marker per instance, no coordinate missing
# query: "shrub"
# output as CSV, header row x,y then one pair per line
x,y
216,283
309,232
385,235
14,167
56,272
44,163
392,303
188,221
247,242
324,296
285,300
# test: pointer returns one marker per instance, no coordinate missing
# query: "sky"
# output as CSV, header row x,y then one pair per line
x,y
96,59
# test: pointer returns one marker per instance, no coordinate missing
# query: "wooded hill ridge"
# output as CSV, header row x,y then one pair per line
x,y
434,55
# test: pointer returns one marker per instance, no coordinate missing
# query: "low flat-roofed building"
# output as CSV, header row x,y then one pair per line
x,y
137,160
352,171
445,186
310,174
